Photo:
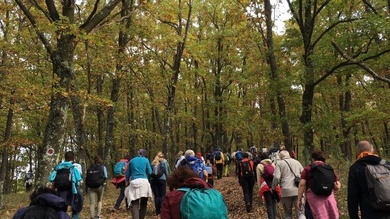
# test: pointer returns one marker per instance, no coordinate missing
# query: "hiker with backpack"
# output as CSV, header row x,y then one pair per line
x,y
66,179
44,203
95,181
219,160
246,179
237,159
29,180
119,181
211,172
226,164
184,184
366,193
138,189
318,181
192,162
158,179
287,174
265,170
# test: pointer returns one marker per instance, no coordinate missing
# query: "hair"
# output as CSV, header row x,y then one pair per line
x,y
318,156
245,155
364,146
158,158
97,160
189,153
127,157
284,154
40,190
179,176
69,156
143,152
179,154
263,156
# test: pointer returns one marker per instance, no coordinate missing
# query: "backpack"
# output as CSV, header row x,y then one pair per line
x,y
268,173
246,169
95,176
120,169
239,155
196,166
322,182
378,183
217,155
39,212
158,170
202,203
63,179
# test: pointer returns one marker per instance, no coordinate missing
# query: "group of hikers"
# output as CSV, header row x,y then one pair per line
x,y
188,191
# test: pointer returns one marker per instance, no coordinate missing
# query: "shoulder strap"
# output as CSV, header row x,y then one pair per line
x,y
290,168
184,189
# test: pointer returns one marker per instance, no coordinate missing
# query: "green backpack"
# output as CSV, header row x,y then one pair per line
x,y
202,203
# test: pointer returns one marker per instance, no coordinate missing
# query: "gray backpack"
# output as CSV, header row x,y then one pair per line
x,y
378,182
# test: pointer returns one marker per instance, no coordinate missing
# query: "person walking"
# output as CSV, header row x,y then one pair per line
x,y
285,171
246,179
357,184
119,181
68,189
318,206
44,201
219,160
158,180
95,181
138,188
264,174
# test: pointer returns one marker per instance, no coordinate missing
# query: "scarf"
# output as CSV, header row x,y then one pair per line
x,y
365,153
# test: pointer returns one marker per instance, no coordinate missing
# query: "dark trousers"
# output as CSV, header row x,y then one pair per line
x,y
270,204
138,208
308,213
159,188
121,186
247,188
219,170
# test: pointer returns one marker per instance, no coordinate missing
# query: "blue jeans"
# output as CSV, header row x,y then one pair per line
x,y
159,187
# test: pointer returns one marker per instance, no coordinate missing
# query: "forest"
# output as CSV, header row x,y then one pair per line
x,y
109,77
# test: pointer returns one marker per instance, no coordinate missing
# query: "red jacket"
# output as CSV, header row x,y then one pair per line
x,y
170,208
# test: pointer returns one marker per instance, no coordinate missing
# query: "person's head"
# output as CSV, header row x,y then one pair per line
x,y
41,190
245,155
159,157
180,153
263,156
179,176
318,156
97,160
284,154
127,157
364,146
189,153
142,153
69,156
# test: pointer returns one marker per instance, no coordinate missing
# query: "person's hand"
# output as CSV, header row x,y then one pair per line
x,y
300,204
127,183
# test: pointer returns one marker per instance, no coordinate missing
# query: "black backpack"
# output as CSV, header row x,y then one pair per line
x,y
63,180
217,155
322,182
246,169
39,212
95,176
158,171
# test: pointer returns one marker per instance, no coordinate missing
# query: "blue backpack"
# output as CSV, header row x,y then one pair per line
x,y
120,169
239,155
202,203
197,167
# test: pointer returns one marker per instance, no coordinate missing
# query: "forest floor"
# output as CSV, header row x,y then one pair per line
x,y
228,186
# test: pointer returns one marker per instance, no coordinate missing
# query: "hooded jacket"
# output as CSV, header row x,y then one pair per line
x,y
47,200
170,208
357,188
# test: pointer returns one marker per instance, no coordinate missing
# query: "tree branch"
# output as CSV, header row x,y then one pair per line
x,y
361,62
30,17
52,10
99,17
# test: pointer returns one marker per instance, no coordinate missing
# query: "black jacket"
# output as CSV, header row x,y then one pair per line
x,y
357,187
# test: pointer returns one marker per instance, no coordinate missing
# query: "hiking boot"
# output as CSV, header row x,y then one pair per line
x,y
248,208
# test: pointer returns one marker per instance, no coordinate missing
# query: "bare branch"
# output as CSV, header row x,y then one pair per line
x,y
361,63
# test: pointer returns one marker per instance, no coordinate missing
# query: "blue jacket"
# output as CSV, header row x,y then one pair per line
x,y
49,200
75,174
139,168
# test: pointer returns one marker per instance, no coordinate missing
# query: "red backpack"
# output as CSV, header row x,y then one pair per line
x,y
268,173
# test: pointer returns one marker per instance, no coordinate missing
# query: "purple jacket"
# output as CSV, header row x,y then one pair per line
x,y
49,200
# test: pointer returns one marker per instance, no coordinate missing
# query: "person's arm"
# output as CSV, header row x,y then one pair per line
x,y
277,175
353,195
148,167
301,190
165,209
